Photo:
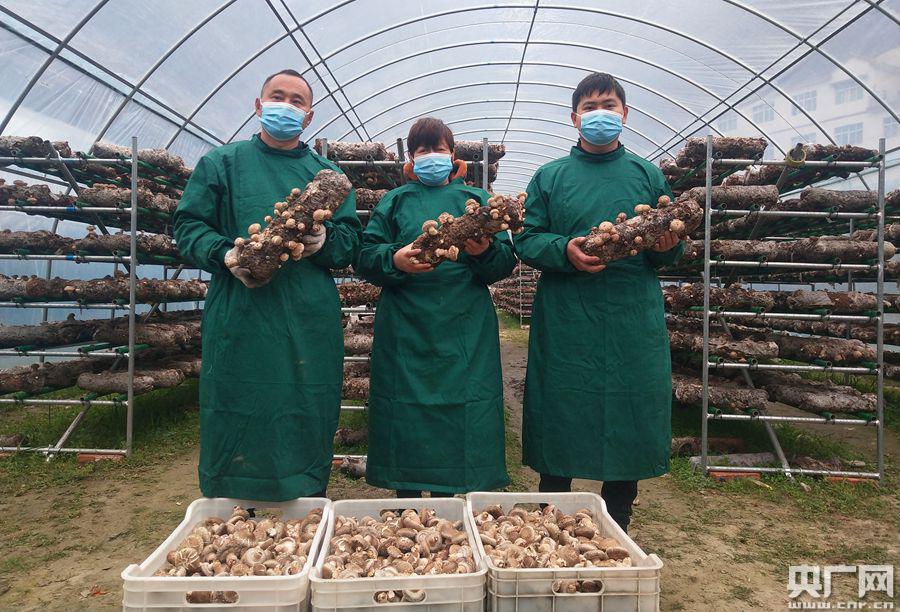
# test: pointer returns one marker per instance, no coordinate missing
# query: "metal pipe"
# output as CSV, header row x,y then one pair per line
x,y
797,471
349,408
69,305
48,448
707,226
357,309
129,417
791,264
810,164
796,213
69,210
879,346
14,353
485,153
789,368
59,402
356,358
788,419
68,432
793,315
73,257
52,161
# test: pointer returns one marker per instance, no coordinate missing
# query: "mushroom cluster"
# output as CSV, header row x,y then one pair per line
x,y
546,538
409,543
244,546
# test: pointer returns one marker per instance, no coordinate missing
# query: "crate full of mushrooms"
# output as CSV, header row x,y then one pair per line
x,y
228,553
559,551
407,552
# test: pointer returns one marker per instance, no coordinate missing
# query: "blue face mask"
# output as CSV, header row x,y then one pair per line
x,y
600,127
432,168
282,121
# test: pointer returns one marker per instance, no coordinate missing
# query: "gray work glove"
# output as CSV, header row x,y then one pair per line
x,y
313,241
242,274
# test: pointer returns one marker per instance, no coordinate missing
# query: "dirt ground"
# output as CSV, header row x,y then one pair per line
x,y
721,551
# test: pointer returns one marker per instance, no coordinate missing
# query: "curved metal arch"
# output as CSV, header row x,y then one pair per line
x,y
50,57
529,142
521,131
467,85
817,47
677,75
471,102
529,153
137,86
514,173
672,141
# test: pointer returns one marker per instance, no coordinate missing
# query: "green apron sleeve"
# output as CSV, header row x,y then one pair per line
x,y
342,235
379,243
496,263
536,245
196,220
670,257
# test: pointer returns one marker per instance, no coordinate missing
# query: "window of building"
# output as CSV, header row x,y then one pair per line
x,y
849,134
727,124
806,101
890,128
808,138
762,113
847,91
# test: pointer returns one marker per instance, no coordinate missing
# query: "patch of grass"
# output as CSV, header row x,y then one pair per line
x,y
517,480
511,329
353,420
166,424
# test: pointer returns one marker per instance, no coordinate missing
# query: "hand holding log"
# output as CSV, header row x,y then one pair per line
x,y
442,242
267,249
610,241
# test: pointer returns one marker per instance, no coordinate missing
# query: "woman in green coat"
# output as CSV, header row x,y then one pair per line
x,y
270,387
436,394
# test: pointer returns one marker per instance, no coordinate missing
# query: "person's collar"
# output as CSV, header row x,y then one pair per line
x,y
299,151
579,153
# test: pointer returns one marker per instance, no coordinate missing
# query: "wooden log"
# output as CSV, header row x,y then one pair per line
x,y
473,150
445,238
814,395
150,244
733,297
160,158
367,199
690,445
189,365
739,197
356,369
865,333
50,375
891,234
473,174
57,333
821,249
838,302
21,193
722,394
358,294
723,346
269,248
754,175
627,237
40,241
357,344
377,178
345,436
175,335
32,146
355,151
834,350
816,198
724,147
101,290
144,380
356,388
818,152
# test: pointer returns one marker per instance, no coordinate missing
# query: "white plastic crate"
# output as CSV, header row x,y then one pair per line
x,y
443,593
144,591
624,589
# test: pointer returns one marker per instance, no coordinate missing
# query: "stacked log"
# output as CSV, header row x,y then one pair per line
x,y
101,289
367,199
815,396
44,242
339,150
21,193
723,394
819,249
112,196
32,146
355,388
473,150
358,294
723,147
735,297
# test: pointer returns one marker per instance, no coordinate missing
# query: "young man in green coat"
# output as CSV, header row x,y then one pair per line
x,y
598,387
270,387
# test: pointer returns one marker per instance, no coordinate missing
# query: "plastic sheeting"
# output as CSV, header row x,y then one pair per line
x,y
184,75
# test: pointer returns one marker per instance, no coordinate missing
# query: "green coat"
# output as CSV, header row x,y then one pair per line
x,y
436,393
598,388
270,387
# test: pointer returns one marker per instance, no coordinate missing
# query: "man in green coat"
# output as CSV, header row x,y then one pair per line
x,y
270,387
598,387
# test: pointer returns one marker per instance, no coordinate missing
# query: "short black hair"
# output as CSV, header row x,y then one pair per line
x,y
289,72
429,132
597,82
